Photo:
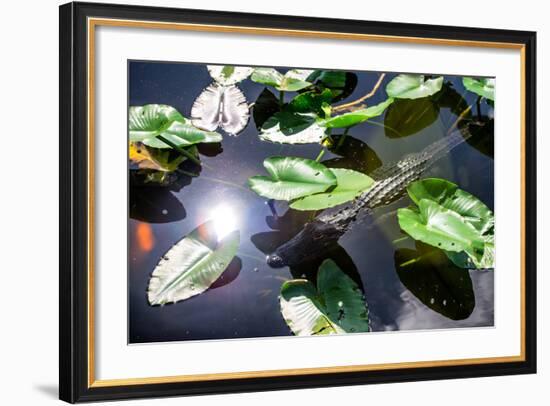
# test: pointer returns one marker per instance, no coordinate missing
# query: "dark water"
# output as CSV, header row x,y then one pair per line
x,y
244,302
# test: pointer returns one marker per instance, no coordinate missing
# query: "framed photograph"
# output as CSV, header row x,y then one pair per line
x,y
256,202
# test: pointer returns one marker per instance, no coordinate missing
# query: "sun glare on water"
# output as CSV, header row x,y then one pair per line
x,y
225,220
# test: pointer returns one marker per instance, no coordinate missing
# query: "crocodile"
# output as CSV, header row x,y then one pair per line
x,y
391,180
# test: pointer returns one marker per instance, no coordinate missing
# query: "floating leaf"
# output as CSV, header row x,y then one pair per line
x,y
452,219
350,184
335,307
451,197
429,275
292,81
221,106
292,178
192,265
484,87
227,75
406,117
310,102
347,120
292,128
340,84
435,225
144,157
148,122
413,86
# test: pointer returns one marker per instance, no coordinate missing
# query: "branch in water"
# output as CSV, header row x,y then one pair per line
x,y
361,99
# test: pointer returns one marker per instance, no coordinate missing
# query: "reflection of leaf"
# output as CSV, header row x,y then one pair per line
x,y
350,184
452,219
482,135
292,178
266,105
407,117
484,87
221,106
429,275
413,86
350,119
191,265
336,306
292,81
146,123
340,84
354,153
449,98
292,128
229,75
155,205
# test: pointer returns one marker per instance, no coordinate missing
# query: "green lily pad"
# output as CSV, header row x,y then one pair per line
x,y
413,86
484,87
147,123
336,306
227,75
341,84
451,219
350,184
350,119
192,265
292,178
292,81
406,117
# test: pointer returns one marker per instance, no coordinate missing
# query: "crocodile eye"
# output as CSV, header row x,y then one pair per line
x,y
275,261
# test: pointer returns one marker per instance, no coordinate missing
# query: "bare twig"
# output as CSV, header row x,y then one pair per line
x,y
460,117
361,99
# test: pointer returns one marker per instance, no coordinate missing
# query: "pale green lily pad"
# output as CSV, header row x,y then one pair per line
x,y
292,128
484,87
147,123
347,120
350,184
413,86
336,306
292,178
192,265
292,81
227,75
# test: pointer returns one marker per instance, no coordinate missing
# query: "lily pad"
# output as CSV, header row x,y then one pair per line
x,y
292,128
336,306
341,84
221,106
451,219
192,265
266,106
143,157
350,119
292,178
350,184
229,75
413,86
147,123
484,87
292,81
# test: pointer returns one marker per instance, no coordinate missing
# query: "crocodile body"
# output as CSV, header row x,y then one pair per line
x,y
390,182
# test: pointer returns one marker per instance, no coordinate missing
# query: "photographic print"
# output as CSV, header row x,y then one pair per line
x,y
291,201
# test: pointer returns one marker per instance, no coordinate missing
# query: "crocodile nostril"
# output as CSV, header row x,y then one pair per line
x,y
275,261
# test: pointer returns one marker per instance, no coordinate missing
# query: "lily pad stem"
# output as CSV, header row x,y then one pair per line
x,y
281,97
342,138
478,106
179,149
320,155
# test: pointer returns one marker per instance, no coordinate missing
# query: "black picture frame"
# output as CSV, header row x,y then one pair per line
x,y
74,200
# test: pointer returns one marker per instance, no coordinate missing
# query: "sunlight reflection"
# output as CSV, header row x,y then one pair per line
x,y
225,220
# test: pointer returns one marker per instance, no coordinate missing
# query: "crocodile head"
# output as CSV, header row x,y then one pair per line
x,y
309,244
